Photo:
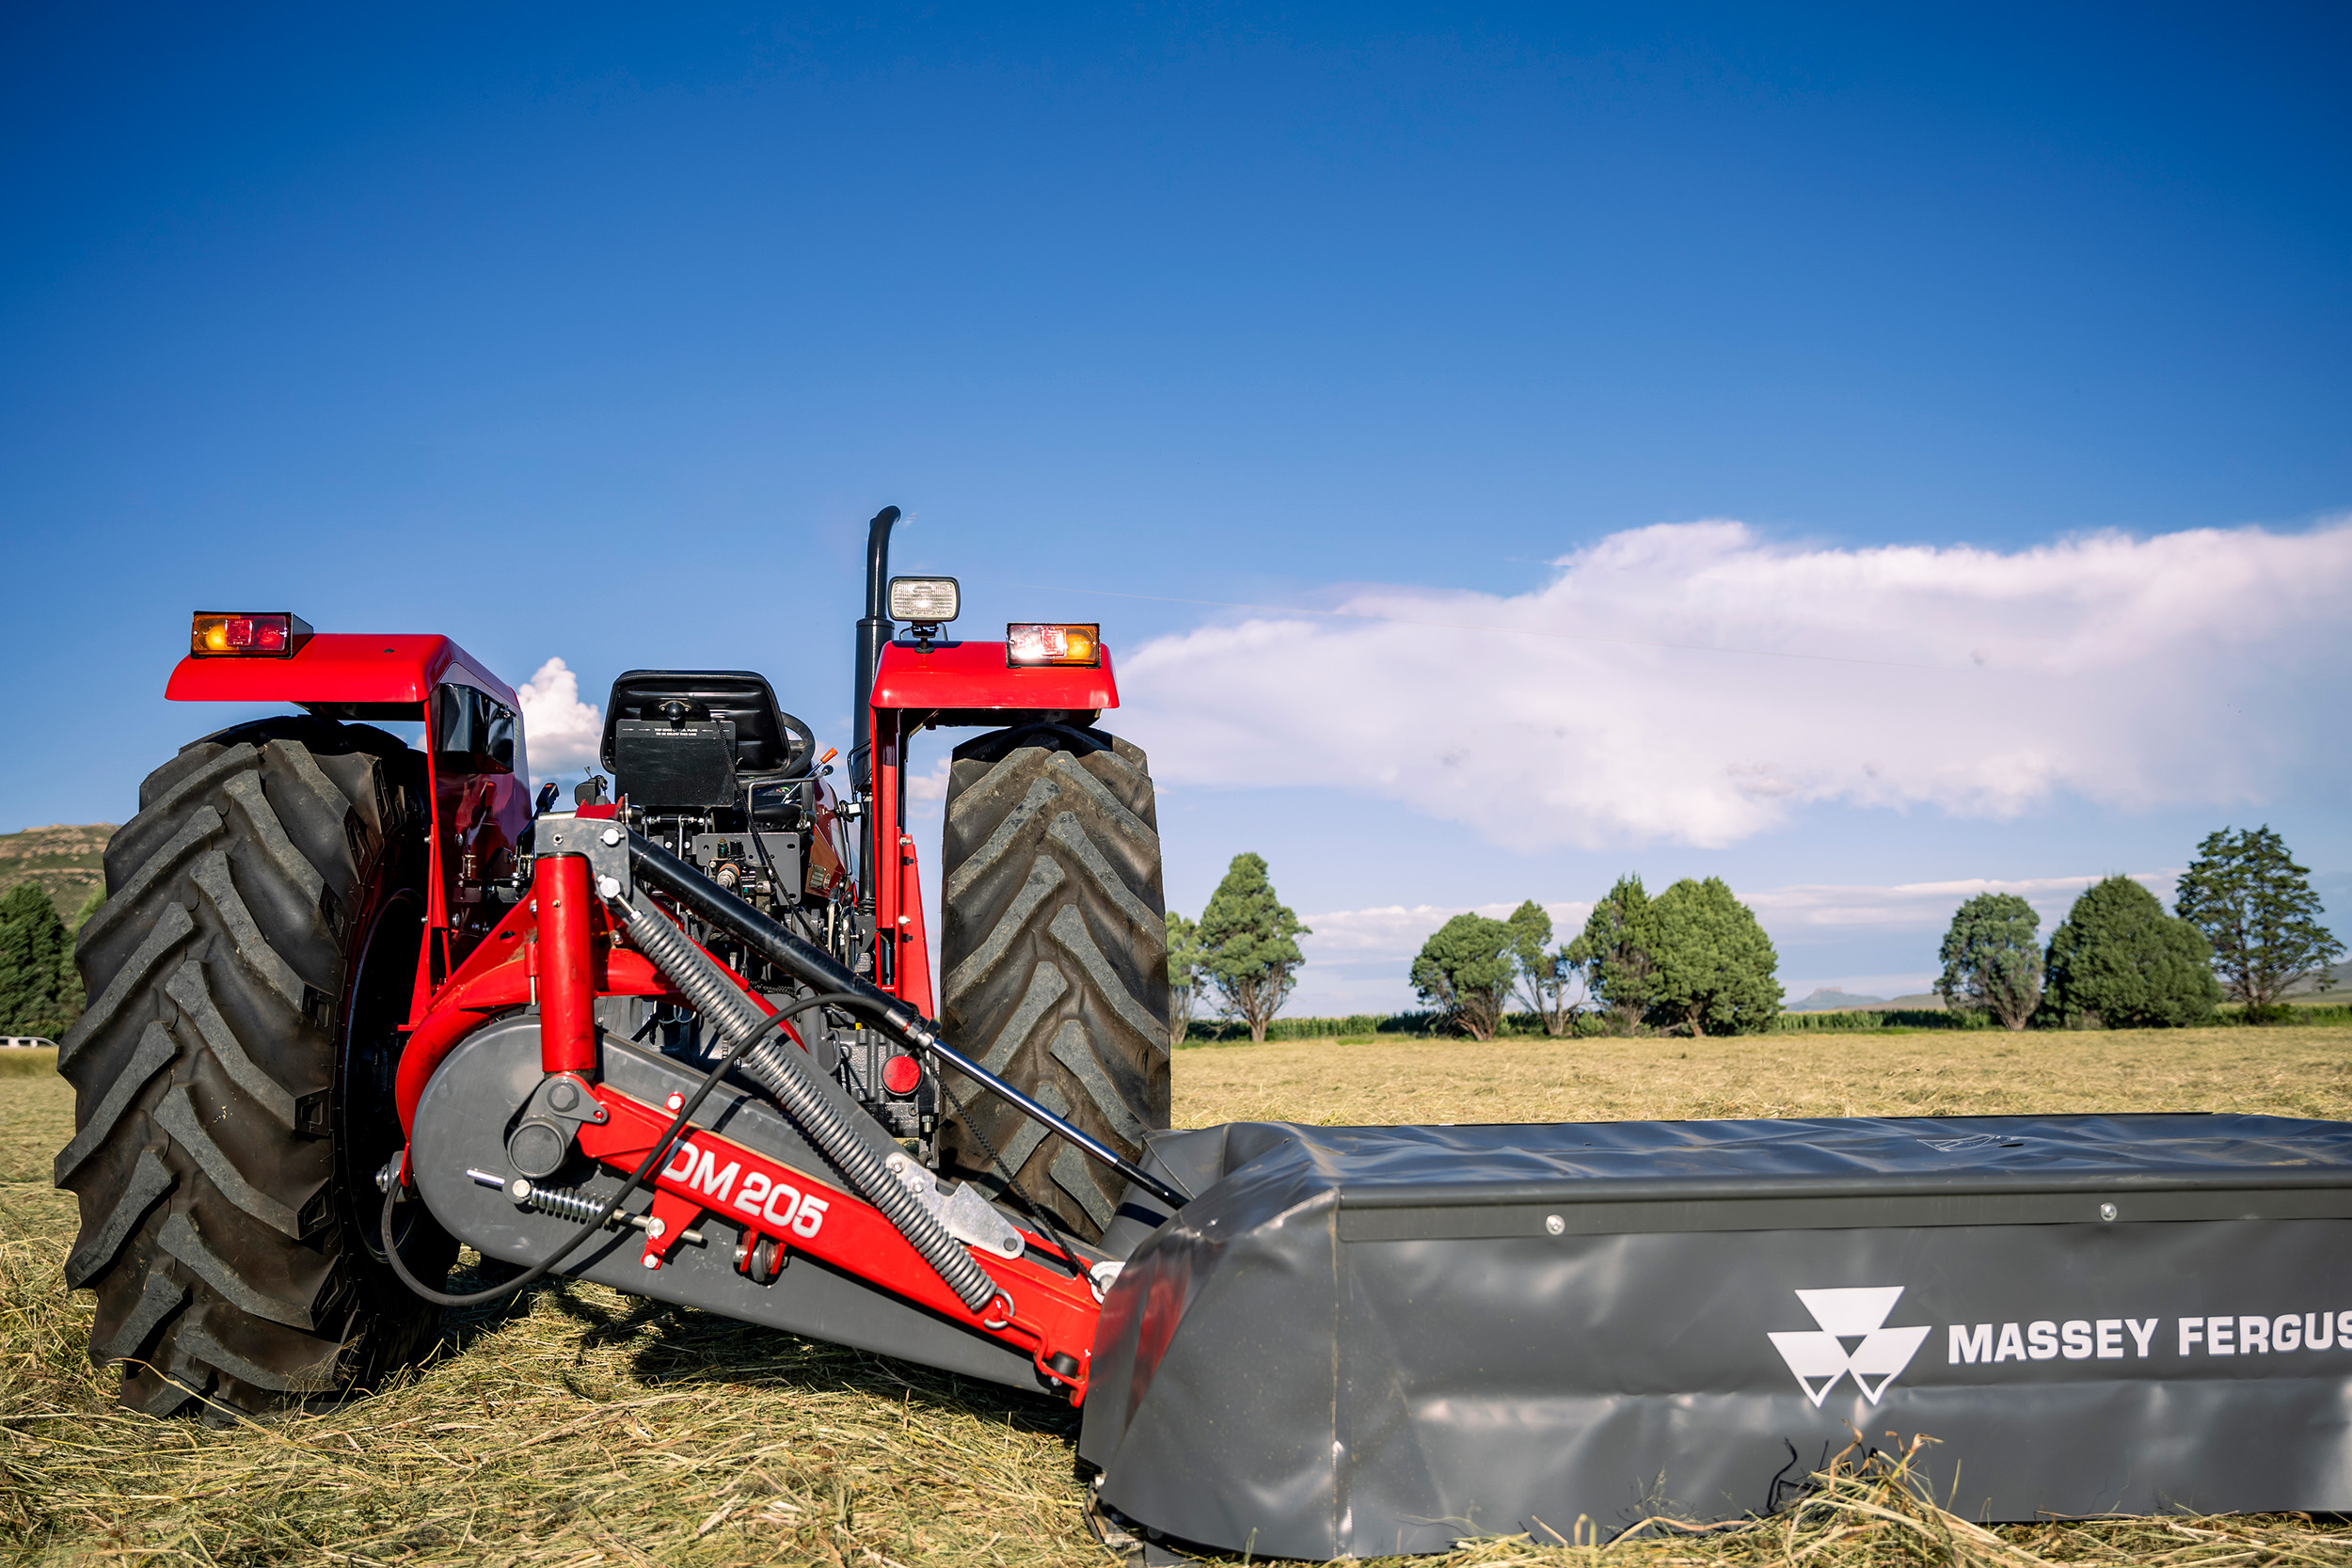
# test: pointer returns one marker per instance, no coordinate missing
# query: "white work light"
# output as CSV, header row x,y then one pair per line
x,y
925,601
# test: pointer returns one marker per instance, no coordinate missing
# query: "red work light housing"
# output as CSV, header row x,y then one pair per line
x,y
1028,643
246,634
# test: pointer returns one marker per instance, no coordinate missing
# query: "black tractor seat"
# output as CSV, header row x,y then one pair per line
x,y
766,742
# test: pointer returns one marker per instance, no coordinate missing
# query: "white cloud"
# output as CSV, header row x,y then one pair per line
x,y
1343,935
1810,908
2133,672
932,786
560,732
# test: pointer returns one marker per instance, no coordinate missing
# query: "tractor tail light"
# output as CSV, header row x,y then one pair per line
x,y
1030,642
245,634
901,1075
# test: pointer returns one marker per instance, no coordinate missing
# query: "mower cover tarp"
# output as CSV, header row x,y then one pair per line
x,y
1365,1340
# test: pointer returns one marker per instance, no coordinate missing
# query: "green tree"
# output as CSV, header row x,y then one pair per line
x,y
2118,961
90,906
1465,970
1992,959
1187,975
1249,936
1715,965
2257,908
1617,953
1549,978
39,993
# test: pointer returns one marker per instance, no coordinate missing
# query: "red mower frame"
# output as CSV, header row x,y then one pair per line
x,y
561,949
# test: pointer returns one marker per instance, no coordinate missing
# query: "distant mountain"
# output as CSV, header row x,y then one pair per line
x,y
1829,999
2338,992
69,862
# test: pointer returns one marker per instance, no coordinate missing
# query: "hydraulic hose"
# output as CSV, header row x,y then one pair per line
x,y
783,1072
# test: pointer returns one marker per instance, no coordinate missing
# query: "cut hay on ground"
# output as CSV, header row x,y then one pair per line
x,y
582,1428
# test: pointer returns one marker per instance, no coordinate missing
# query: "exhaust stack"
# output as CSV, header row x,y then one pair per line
x,y
872,632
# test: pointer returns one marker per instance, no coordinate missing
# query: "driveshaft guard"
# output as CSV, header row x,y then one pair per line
x,y
1369,1340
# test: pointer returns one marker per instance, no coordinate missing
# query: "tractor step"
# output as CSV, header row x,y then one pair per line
x,y
1357,1342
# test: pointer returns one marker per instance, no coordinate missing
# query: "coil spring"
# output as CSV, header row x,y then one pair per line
x,y
567,1204
776,1069
570,1205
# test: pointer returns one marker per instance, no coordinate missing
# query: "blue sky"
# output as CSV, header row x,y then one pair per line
x,y
596,334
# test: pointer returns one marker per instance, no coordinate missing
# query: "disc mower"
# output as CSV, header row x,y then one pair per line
x,y
354,1001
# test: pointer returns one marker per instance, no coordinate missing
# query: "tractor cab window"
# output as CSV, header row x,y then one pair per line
x,y
472,734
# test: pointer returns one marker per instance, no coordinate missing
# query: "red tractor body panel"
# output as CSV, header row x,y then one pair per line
x,y
338,667
478,812
974,675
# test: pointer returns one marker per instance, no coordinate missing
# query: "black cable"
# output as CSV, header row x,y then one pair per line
x,y
1012,1183
660,1150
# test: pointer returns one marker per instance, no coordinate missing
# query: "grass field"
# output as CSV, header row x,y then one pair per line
x,y
579,1428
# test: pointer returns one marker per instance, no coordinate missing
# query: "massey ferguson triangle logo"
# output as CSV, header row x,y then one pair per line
x,y
1852,1338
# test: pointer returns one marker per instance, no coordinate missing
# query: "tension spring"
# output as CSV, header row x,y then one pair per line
x,y
564,1203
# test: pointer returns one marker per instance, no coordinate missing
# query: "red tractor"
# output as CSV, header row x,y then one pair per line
x,y
354,1001
300,1089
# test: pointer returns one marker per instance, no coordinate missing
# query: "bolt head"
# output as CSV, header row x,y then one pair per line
x,y
563,1096
2106,1211
608,887
676,1102
656,1229
611,837
1554,1223
652,1261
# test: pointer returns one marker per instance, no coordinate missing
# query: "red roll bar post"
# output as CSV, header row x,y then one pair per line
x,y
565,905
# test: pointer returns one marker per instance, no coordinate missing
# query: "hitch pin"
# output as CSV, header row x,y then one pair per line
x,y
568,1204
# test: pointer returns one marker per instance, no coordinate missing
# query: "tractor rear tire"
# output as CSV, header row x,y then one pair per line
x,y
1053,959
233,1072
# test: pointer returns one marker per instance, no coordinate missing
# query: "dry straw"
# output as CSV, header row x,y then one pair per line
x,y
581,1428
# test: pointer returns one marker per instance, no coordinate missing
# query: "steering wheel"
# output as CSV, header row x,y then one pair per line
x,y
804,746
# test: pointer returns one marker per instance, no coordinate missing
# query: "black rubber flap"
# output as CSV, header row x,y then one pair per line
x,y
1367,1340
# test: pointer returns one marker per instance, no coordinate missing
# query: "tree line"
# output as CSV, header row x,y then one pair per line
x,y
41,992
1694,960
2245,928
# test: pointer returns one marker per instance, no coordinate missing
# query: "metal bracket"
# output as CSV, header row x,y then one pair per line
x,y
604,843
543,1138
965,1215
566,1097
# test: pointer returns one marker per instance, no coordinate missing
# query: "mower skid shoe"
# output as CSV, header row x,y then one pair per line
x,y
477,1096
1364,1342
1132,1544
